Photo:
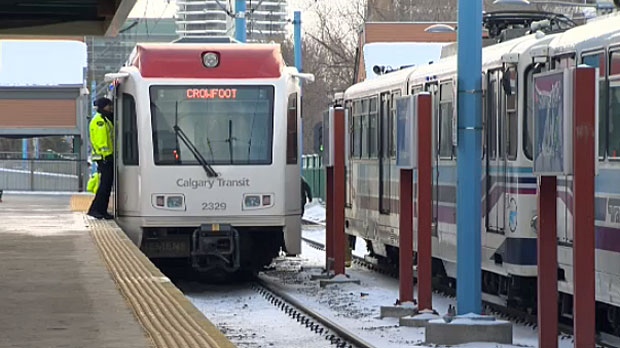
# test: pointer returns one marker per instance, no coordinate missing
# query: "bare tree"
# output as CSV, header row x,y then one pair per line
x,y
328,51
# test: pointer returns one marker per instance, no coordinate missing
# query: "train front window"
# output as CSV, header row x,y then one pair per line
x,y
228,125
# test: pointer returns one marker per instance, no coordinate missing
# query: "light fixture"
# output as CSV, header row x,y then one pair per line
x,y
439,28
210,59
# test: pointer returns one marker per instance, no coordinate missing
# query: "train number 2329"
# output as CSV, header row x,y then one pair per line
x,y
213,206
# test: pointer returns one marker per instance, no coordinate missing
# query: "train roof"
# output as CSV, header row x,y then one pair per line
x,y
593,34
389,81
491,56
174,60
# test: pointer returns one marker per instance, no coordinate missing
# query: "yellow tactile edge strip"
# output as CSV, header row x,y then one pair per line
x,y
168,318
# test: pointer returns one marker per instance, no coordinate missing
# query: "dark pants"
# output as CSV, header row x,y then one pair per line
x,y
102,197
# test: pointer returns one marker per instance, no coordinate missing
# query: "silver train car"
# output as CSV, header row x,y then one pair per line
x,y
207,155
509,197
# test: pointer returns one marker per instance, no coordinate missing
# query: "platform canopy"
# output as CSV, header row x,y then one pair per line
x,y
63,17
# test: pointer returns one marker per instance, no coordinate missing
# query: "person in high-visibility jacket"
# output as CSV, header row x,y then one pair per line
x,y
102,143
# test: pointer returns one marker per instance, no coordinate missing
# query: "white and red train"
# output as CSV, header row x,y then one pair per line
x,y
207,153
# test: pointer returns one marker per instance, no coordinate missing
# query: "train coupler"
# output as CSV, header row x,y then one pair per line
x,y
215,246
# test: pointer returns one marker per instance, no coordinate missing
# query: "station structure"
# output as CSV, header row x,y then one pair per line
x,y
73,282
68,255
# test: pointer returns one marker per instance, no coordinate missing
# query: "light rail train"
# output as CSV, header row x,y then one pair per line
x,y
207,155
509,197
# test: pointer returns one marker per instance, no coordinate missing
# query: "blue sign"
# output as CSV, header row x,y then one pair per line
x,y
552,111
406,152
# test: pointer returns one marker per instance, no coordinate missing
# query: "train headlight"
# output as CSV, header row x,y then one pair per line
x,y
211,59
257,201
168,201
251,201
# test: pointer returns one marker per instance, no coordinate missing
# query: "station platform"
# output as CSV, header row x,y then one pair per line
x,y
70,281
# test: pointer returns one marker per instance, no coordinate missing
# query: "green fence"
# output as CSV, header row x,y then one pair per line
x,y
314,173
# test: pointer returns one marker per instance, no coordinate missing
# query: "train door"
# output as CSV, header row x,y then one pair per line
x,y
496,160
433,89
384,155
126,154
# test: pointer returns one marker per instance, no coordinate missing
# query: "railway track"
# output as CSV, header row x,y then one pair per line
x,y
333,333
491,303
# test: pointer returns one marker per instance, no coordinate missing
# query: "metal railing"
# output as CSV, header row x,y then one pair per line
x,y
314,173
42,175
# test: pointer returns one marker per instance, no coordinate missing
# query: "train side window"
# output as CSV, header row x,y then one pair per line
x,y
564,61
130,131
350,130
291,130
364,116
373,145
445,120
597,60
492,118
357,129
395,94
512,121
613,130
484,115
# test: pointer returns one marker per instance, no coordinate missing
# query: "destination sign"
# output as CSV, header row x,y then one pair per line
x,y
211,93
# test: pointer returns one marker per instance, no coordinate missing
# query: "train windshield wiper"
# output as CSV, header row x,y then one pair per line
x,y
192,148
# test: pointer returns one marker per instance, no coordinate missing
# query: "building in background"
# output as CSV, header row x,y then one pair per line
x,y
107,55
266,20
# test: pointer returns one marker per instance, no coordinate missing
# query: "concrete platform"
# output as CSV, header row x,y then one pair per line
x,y
66,284
339,279
419,319
398,311
468,329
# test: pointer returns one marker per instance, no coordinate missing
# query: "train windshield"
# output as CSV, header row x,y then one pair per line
x,y
227,125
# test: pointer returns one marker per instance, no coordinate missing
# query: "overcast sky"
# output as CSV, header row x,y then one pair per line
x,y
166,9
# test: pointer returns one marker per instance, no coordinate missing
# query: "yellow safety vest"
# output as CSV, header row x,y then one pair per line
x,y
101,137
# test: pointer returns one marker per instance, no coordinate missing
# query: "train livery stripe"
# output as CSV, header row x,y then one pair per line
x,y
522,251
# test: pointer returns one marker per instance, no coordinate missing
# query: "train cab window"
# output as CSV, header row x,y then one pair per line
x,y
597,60
445,120
130,131
291,130
231,127
613,130
373,146
357,129
565,61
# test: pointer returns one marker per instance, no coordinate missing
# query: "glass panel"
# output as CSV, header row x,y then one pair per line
x,y
492,119
230,125
130,131
613,148
445,147
614,64
291,130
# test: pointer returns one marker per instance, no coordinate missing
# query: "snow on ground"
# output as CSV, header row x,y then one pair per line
x,y
248,319
357,307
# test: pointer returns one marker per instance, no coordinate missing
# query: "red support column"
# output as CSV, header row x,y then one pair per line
x,y
425,201
547,251
405,237
584,110
329,219
339,191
